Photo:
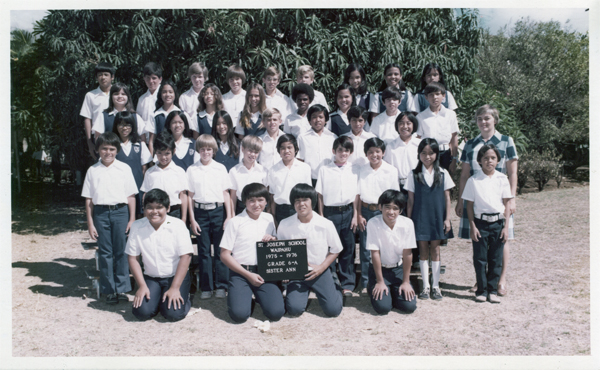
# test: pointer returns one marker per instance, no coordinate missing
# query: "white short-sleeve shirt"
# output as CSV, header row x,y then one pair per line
x,y
188,102
429,178
383,126
171,179
109,185
269,154
487,192
438,126
160,249
242,233
315,148
94,103
403,156
296,124
374,105
372,183
338,185
208,182
358,156
234,104
390,243
146,107
281,179
281,103
449,97
241,176
98,123
320,234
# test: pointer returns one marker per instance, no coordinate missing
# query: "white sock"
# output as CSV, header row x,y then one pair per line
x,y
424,273
435,271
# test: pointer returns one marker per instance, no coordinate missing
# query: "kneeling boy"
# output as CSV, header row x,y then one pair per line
x,y
165,283
390,238
238,252
323,246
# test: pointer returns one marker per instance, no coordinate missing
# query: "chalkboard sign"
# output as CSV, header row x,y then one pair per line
x,y
282,259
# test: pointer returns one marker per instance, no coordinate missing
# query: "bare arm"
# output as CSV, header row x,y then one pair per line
x,y
380,288
227,205
464,176
151,144
471,215
87,125
409,203
131,206
229,261
233,200
360,220
89,211
138,275
320,204
405,287
184,205
447,225
193,224
319,269
511,171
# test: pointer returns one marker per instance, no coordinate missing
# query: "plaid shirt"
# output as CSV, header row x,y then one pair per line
x,y
504,143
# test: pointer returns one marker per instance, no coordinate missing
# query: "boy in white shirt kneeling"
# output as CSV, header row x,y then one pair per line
x,y
238,252
165,284
390,238
322,246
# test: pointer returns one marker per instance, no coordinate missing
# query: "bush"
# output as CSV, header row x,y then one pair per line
x,y
542,167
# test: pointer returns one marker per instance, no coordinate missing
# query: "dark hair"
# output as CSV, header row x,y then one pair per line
x,y
108,138
392,196
317,108
418,171
358,111
362,89
434,87
427,69
484,150
159,100
391,93
383,85
130,119
344,86
219,105
303,89
104,67
232,141
152,68
115,88
285,138
254,190
301,191
157,196
164,141
374,142
411,117
187,132
345,142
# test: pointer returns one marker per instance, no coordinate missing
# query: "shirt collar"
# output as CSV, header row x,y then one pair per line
x,y
495,139
161,110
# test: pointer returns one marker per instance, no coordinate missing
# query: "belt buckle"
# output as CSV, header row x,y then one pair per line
x,y
372,207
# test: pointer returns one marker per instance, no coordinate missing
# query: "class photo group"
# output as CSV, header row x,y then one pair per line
x,y
256,165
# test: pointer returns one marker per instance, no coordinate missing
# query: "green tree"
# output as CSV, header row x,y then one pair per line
x,y
71,42
543,69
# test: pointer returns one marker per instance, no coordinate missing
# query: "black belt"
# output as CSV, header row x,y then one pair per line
x,y
251,268
175,208
111,207
370,207
339,208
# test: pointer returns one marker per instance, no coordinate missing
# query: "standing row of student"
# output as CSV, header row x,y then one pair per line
x,y
162,97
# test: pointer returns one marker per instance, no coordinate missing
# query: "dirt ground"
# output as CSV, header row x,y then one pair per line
x,y
547,311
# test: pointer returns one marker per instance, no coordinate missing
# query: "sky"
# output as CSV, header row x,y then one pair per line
x,y
492,18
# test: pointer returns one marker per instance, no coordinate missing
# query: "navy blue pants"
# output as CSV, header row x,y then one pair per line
x,y
365,255
329,296
158,287
239,299
211,226
342,221
393,279
487,252
283,211
114,268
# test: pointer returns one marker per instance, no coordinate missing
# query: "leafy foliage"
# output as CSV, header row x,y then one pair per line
x,y
542,167
71,42
544,71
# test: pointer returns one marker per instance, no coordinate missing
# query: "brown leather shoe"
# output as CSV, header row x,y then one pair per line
x,y
502,290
